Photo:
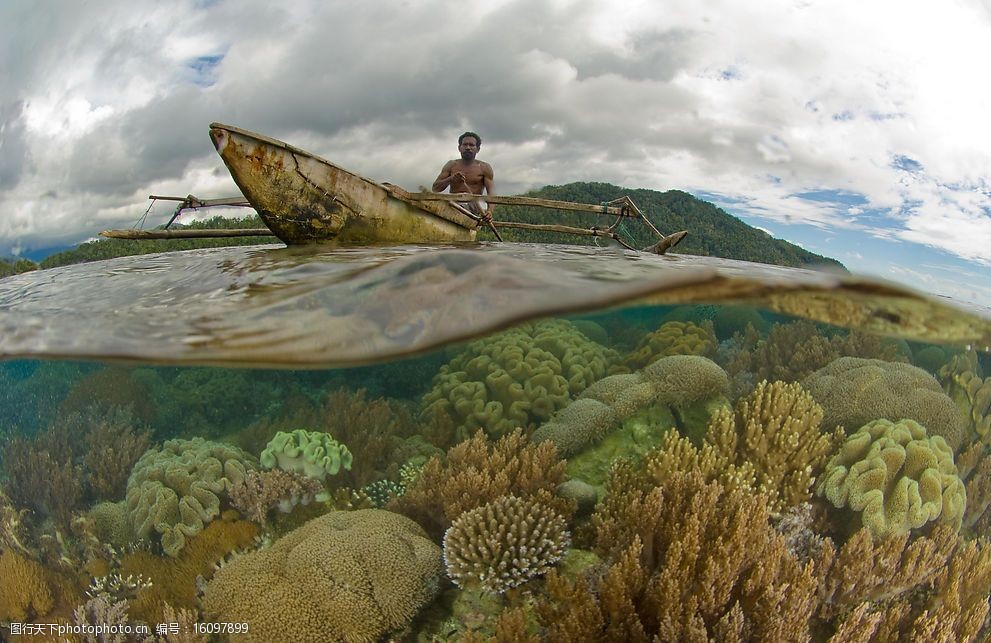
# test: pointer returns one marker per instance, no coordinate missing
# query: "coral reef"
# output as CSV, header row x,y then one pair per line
x,y
503,544
261,491
777,430
518,378
897,477
673,338
178,488
114,447
174,580
49,484
974,467
309,453
345,576
25,592
478,471
687,557
962,381
855,391
111,523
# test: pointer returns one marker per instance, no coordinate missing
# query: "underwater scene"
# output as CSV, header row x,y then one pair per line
x,y
501,443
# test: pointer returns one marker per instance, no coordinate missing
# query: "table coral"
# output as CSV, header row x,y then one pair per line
x,y
504,543
898,478
346,576
176,489
518,378
855,391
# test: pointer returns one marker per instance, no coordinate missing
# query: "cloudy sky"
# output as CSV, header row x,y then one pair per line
x,y
859,130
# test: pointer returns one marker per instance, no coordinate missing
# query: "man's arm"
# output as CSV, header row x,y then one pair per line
x,y
444,179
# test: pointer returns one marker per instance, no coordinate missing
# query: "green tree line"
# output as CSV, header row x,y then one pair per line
x,y
711,231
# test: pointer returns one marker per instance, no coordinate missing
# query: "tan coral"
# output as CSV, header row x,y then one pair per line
x,y
504,543
25,593
477,471
346,576
855,391
674,338
897,477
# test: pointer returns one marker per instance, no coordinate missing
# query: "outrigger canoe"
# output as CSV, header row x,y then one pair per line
x,y
304,199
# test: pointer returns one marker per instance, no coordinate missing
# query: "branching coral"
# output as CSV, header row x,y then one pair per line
x,y
673,338
854,391
897,477
261,491
974,467
25,592
48,484
175,490
684,570
361,574
504,543
114,447
515,379
478,471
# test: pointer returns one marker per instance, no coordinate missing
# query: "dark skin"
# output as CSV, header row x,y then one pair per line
x,y
467,175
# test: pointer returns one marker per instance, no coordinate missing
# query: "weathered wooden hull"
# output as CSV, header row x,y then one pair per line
x,y
304,199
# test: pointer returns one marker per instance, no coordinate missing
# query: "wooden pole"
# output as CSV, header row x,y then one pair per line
x,y
618,211
204,233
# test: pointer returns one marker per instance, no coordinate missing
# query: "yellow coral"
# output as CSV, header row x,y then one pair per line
x,y
346,576
897,476
25,594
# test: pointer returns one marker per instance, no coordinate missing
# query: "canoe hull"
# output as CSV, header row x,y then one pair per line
x,y
304,199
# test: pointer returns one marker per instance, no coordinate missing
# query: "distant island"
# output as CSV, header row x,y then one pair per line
x,y
712,231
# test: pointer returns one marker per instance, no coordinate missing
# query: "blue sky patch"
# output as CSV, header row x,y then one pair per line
x,y
204,69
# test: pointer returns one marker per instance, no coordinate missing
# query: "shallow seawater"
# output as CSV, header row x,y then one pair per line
x,y
494,441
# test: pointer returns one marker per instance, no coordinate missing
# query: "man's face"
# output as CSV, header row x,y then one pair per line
x,y
468,148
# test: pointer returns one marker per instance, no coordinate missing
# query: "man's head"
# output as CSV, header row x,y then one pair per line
x,y
468,144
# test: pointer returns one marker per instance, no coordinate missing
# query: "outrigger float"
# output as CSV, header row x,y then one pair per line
x,y
304,199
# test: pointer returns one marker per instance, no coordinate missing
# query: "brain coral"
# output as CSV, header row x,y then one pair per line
x,y
673,338
345,576
176,489
897,476
516,379
504,543
854,391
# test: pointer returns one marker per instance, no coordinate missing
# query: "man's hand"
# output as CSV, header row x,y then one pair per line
x,y
487,216
459,176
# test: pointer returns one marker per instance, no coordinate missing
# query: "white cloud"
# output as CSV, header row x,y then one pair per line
x,y
103,104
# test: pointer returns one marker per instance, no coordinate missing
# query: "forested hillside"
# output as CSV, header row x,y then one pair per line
x,y
711,231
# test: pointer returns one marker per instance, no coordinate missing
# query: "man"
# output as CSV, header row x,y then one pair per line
x,y
468,175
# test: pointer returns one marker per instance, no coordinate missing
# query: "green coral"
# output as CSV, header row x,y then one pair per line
x,y
674,338
175,490
313,454
853,391
897,476
518,378
971,394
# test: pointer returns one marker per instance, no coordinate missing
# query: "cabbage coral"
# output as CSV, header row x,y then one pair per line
x,y
897,477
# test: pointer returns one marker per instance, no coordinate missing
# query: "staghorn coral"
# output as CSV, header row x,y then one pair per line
x,y
777,430
49,484
478,471
683,569
673,338
854,391
345,576
114,448
503,544
518,378
178,488
897,477
261,491
101,611
974,467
